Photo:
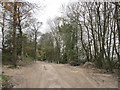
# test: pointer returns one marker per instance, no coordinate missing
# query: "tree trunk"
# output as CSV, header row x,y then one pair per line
x,y
21,36
14,37
3,31
35,57
117,17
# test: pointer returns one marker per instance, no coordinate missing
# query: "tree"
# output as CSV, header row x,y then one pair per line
x,y
3,29
16,23
54,26
35,28
46,47
91,28
24,13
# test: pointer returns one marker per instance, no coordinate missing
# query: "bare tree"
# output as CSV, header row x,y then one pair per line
x,y
35,27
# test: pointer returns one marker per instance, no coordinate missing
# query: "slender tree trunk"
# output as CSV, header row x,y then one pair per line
x,y
35,57
3,31
82,42
94,42
88,51
117,17
21,36
14,37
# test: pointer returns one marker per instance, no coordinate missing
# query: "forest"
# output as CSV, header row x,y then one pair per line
x,y
85,32
88,31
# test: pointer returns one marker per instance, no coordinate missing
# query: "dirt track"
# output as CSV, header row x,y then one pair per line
x,y
49,75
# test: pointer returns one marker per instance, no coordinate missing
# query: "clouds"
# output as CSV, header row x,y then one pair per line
x,y
51,10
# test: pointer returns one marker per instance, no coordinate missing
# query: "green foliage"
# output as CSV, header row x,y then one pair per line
x,y
6,56
28,48
4,79
64,59
7,49
69,38
46,48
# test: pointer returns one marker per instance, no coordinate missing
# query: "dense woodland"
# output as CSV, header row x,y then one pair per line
x,y
86,32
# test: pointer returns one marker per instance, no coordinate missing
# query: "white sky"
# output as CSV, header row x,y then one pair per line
x,y
51,10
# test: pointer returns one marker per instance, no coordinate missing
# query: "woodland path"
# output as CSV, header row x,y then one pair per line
x,y
50,75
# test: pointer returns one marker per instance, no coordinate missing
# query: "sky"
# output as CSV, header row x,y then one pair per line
x,y
51,10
